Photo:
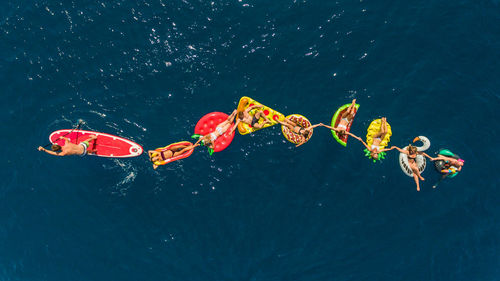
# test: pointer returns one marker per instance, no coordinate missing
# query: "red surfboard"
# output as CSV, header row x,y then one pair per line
x,y
207,125
106,145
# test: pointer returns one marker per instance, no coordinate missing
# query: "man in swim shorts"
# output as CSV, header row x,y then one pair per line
x,y
252,119
69,148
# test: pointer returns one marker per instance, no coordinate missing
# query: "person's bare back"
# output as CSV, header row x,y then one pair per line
x,y
69,148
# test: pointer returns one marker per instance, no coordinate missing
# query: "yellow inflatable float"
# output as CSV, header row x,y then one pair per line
x,y
374,129
270,114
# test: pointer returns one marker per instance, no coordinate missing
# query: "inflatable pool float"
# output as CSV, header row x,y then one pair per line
x,y
168,147
342,139
270,113
421,163
300,121
443,168
207,125
372,130
106,145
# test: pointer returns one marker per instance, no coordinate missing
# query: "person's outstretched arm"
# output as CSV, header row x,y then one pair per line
x,y
235,126
399,149
387,149
359,139
314,126
326,126
50,151
426,155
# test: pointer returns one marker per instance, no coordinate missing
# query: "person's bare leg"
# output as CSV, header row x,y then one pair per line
x,y
383,127
416,181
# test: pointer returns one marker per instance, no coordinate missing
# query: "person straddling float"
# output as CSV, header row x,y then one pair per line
x,y
69,148
412,153
252,120
297,129
176,150
375,148
209,139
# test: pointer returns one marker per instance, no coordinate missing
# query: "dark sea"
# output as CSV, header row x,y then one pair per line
x,y
262,209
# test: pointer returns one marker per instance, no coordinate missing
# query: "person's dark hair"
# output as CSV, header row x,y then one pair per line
x,y
56,147
240,114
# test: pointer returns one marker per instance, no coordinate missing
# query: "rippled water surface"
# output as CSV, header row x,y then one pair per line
x,y
261,209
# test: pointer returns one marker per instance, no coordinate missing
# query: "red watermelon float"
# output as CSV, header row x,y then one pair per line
x,y
207,125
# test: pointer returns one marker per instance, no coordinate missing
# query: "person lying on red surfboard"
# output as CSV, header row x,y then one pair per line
x,y
244,116
347,117
69,148
299,130
221,129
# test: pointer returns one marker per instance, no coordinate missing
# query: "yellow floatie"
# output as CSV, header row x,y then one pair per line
x,y
372,130
270,113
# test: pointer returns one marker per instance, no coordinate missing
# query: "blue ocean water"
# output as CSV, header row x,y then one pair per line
x,y
262,209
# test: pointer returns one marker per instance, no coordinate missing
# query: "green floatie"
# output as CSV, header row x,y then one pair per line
x,y
196,136
381,155
447,152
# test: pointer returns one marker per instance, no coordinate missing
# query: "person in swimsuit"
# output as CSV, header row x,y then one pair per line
x,y
449,162
347,117
209,140
375,148
69,148
175,150
252,120
299,130
412,153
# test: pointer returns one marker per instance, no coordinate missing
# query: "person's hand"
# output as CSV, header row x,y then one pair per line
x,y
40,148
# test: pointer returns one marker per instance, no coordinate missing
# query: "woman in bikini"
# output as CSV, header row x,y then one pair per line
x,y
347,117
375,148
252,120
174,151
412,153
209,140
301,131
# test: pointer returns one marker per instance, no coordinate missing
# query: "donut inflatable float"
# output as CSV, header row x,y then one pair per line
x,y
300,121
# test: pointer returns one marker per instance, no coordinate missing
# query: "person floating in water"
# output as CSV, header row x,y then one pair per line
x,y
375,148
69,148
221,129
302,132
347,118
176,150
252,120
412,153
451,165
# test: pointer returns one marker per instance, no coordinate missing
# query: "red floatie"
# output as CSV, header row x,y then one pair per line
x,y
207,125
